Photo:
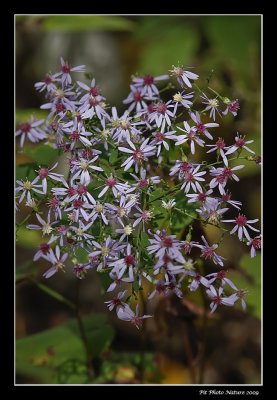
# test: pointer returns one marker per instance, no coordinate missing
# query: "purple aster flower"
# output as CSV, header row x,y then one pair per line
x,y
183,77
221,276
164,244
226,198
123,209
77,133
45,226
54,205
66,69
221,177
93,105
167,263
169,204
106,251
60,102
45,173
190,136
80,270
212,106
81,170
138,154
255,244
160,288
147,82
48,83
182,98
92,90
117,277
232,107
81,231
240,143
240,295
113,185
60,233
218,299
31,131
188,245
191,180
136,99
57,261
99,211
202,197
78,207
126,314
122,127
200,126
143,216
219,146
125,231
127,262
241,223
161,114
144,181
26,188
160,139
208,252
181,167
43,251
197,279
116,301
211,210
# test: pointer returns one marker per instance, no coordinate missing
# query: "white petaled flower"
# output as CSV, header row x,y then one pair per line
x,y
200,126
45,226
160,139
81,170
192,179
126,314
45,173
126,231
77,133
26,187
218,299
116,187
182,98
240,143
168,205
219,146
212,106
191,136
138,154
57,261
183,77
241,222
147,82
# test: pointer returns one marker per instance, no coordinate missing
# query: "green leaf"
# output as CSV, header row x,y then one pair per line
x,y
144,239
136,286
42,154
24,171
81,255
114,156
24,114
89,22
57,354
28,238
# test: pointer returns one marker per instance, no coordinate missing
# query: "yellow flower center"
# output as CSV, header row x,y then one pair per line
x,y
27,185
128,230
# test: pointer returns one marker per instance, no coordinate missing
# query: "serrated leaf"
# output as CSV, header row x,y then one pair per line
x,y
42,154
81,255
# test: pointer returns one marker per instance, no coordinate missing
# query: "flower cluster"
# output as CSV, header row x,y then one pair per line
x,y
128,178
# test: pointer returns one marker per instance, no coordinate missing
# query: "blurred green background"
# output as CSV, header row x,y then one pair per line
x,y
174,347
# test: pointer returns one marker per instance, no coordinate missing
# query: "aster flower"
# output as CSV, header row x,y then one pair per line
x,y
45,173
183,77
127,262
182,98
138,154
57,260
226,198
233,107
181,168
191,180
202,197
77,133
143,216
221,276
208,252
93,105
162,114
91,90
222,175
255,244
211,210
200,126
218,299
240,143
117,276
136,99
160,139
81,170
125,231
30,130
99,211
107,251
212,106
26,187
80,270
169,204
126,314
45,226
219,146
54,205
241,223
240,295
61,101
116,301
163,243
113,185
190,136
147,82
66,70
81,232
60,233
122,128
43,251
79,207
143,180
48,83
197,279
187,245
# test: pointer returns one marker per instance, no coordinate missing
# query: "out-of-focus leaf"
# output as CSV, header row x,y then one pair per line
x,y
43,154
114,156
57,354
24,171
24,114
87,22
28,238
54,294
252,267
81,255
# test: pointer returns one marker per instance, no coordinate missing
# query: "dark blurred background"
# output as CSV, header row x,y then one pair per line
x,y
182,344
